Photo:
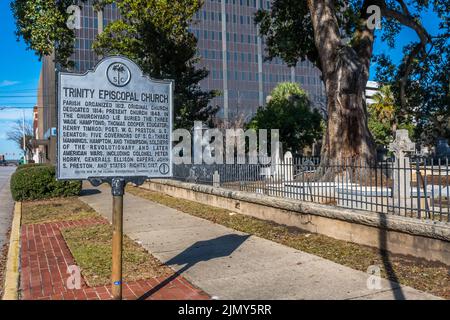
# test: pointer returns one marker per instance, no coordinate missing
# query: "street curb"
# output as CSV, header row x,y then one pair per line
x,y
11,291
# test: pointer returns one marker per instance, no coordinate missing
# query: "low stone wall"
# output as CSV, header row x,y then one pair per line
x,y
423,239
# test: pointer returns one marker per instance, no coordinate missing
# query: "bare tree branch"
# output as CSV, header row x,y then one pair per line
x,y
406,19
15,134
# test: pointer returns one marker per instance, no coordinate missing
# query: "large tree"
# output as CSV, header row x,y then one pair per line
x,y
336,36
154,33
290,111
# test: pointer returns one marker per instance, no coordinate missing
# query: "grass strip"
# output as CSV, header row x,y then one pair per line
x,y
91,248
54,210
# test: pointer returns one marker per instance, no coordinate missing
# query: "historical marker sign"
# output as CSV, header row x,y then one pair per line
x,y
114,122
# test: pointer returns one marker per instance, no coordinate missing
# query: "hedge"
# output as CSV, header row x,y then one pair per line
x,y
30,165
39,182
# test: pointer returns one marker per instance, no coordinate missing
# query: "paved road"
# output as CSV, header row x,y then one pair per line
x,y
6,203
234,265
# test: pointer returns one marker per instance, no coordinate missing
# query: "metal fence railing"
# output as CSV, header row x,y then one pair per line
x,y
414,187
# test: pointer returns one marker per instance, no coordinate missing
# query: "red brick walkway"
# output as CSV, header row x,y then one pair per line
x,y
45,258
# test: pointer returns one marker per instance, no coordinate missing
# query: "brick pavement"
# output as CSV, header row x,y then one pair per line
x,y
45,258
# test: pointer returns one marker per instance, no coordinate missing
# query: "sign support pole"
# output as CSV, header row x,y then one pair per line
x,y
117,188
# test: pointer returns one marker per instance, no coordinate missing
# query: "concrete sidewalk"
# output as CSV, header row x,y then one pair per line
x,y
232,265
6,203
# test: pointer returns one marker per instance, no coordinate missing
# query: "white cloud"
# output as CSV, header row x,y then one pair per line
x,y
15,114
8,83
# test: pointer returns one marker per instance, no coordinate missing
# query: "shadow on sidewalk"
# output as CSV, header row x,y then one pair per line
x,y
89,192
390,272
200,251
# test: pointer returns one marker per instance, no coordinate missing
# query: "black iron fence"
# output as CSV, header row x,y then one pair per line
x,y
414,187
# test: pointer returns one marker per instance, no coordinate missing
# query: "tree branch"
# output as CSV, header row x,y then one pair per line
x,y
326,32
404,7
406,19
364,36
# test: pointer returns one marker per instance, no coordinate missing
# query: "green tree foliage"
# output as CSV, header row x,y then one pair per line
x,y
154,33
381,131
426,97
290,111
383,120
335,36
384,105
42,25
382,116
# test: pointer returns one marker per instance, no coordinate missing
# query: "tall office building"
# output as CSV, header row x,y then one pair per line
x,y
229,47
232,51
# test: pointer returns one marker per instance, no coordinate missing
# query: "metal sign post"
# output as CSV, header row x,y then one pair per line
x,y
115,127
117,238
117,190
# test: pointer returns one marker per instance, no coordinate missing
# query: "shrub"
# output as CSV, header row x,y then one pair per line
x,y
31,165
39,182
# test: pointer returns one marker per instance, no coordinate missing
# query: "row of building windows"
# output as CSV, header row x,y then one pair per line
x,y
83,44
270,77
217,16
248,3
241,95
217,35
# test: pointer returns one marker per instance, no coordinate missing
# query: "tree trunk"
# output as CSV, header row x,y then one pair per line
x,y
345,70
347,140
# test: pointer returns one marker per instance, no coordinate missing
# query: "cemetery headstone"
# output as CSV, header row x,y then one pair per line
x,y
288,166
216,179
402,172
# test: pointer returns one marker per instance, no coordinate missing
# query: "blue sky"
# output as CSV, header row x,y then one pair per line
x,y
20,72
19,76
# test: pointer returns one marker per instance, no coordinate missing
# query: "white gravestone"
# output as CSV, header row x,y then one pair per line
x,y
402,173
288,166
216,179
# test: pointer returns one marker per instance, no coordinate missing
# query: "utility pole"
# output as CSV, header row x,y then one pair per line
x,y
24,138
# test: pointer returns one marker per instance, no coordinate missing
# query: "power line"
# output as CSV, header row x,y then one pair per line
x,y
34,96
4,89
20,108
8,104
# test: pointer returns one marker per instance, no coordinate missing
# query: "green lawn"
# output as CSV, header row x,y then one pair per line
x,y
92,249
53,210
